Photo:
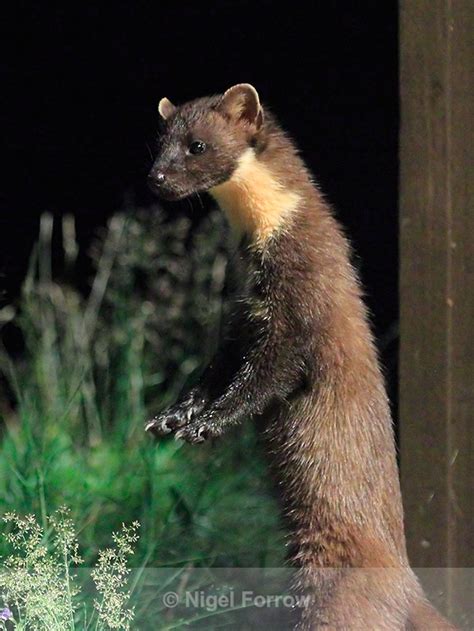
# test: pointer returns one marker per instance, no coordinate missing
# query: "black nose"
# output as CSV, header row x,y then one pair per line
x,y
156,178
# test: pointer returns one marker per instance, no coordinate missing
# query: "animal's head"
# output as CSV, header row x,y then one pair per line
x,y
202,141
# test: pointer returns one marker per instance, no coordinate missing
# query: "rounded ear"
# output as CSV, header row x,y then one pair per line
x,y
241,102
166,108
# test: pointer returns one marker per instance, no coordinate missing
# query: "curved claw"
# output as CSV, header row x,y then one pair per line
x,y
161,425
192,435
201,433
179,435
150,425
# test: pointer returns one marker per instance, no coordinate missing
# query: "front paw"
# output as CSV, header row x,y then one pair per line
x,y
175,417
199,431
192,431
165,423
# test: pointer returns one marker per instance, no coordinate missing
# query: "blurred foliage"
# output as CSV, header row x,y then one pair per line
x,y
93,370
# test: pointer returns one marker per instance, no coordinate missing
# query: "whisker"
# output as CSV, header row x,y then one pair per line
x,y
150,151
200,200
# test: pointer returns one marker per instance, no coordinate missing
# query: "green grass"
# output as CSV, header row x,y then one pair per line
x,y
95,367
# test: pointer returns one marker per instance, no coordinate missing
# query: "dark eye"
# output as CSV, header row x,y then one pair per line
x,y
197,147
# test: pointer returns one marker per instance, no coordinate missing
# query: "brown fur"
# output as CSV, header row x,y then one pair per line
x,y
307,368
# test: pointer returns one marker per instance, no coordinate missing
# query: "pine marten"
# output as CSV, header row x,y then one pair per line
x,y
298,357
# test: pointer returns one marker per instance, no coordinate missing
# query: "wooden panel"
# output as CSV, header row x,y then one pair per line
x,y
437,283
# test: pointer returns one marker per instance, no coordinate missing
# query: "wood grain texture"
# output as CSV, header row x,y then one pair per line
x,y
437,283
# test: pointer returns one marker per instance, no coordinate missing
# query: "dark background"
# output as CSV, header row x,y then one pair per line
x,y
80,87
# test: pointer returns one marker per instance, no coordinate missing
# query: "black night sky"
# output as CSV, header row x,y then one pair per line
x,y
81,82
